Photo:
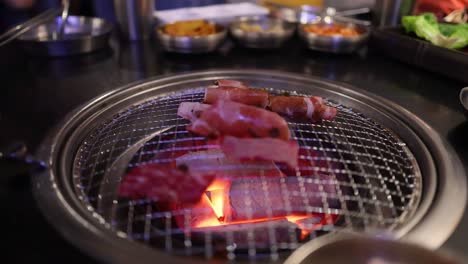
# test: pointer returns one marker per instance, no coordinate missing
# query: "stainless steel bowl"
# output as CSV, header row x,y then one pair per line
x,y
298,14
202,44
334,44
81,35
340,248
272,33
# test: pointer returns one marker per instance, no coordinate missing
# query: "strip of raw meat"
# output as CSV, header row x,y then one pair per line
x,y
252,198
261,149
164,179
231,83
167,149
164,183
239,120
191,110
241,95
215,162
311,108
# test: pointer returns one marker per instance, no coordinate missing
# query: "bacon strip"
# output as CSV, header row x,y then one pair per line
x,y
231,83
215,162
328,112
311,108
294,106
164,183
241,95
239,120
261,149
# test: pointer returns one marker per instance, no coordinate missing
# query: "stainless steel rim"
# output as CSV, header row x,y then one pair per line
x,y
444,180
367,248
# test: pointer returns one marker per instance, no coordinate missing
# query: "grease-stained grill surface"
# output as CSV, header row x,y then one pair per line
x,y
353,173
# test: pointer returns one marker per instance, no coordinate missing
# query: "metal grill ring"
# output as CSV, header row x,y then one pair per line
x,y
383,173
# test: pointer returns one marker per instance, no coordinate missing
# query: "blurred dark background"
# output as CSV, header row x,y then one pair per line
x,y
15,11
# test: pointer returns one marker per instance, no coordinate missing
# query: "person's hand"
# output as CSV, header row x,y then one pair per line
x,y
20,4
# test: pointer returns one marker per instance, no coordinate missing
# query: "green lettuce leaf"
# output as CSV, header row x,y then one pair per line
x,y
426,27
449,29
459,38
409,22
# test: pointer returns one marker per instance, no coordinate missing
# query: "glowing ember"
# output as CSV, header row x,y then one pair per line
x,y
218,197
216,202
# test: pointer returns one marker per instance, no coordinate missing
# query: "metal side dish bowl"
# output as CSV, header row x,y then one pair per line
x,y
81,35
191,44
335,43
261,32
464,99
356,248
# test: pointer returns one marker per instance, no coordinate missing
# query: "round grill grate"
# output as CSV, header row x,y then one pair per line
x,y
376,181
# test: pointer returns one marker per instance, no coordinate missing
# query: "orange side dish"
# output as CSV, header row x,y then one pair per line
x,y
193,28
332,30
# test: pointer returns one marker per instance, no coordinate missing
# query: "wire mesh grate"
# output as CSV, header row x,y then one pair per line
x,y
364,176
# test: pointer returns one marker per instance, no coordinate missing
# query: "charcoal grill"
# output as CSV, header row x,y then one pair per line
x,y
389,170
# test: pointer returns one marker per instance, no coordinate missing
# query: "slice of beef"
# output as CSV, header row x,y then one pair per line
x,y
253,198
266,149
163,183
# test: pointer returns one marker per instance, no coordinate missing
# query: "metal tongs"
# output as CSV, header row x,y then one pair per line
x,y
330,13
307,14
42,18
63,21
